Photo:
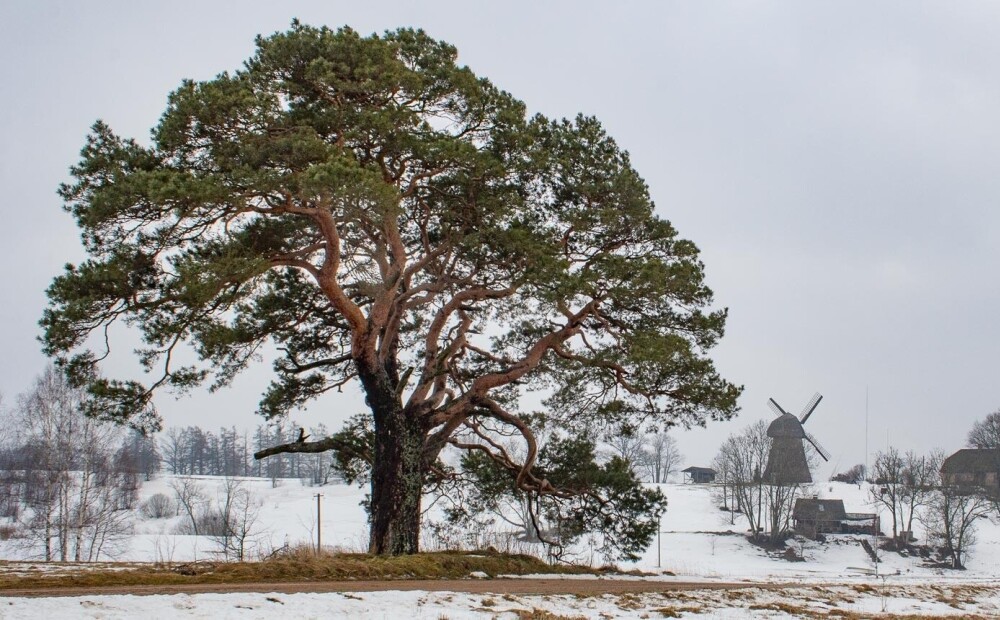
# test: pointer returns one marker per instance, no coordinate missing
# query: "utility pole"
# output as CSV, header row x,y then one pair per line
x,y
319,526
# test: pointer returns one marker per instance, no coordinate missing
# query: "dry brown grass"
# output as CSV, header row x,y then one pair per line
x,y
630,602
675,612
298,565
541,614
797,611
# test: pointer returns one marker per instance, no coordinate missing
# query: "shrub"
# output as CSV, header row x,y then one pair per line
x,y
158,506
209,522
213,523
854,475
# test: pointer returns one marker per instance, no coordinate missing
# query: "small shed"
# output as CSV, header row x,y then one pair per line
x,y
812,516
973,468
698,475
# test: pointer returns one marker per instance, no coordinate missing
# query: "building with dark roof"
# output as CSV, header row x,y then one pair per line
x,y
813,516
974,468
699,475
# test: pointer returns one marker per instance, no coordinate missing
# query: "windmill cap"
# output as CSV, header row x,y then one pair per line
x,y
787,425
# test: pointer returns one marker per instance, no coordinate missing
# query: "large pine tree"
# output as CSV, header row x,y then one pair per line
x,y
386,217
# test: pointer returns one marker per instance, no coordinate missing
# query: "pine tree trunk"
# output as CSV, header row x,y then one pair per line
x,y
398,464
397,484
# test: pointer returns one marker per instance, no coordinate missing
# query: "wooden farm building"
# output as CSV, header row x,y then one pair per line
x,y
699,475
973,468
813,516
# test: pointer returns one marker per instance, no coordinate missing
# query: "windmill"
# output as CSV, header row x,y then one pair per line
x,y
786,464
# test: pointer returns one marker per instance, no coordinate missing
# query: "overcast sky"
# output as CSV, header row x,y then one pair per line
x,y
837,163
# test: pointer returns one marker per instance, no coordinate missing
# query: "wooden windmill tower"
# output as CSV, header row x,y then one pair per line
x,y
786,463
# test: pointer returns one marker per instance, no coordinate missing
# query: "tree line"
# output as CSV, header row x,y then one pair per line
x,y
192,450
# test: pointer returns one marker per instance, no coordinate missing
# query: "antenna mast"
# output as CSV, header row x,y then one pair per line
x,y
866,430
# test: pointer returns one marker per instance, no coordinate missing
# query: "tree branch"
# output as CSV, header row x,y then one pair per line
x,y
308,447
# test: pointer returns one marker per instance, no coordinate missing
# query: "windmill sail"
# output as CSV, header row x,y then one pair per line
x,y
823,453
775,407
810,407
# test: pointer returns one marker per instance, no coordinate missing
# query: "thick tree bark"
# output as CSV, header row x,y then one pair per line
x,y
397,484
398,469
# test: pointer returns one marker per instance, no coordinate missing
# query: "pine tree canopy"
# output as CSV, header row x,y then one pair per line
x,y
377,213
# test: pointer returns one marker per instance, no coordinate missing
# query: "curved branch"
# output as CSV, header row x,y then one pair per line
x,y
484,383
327,277
432,357
499,413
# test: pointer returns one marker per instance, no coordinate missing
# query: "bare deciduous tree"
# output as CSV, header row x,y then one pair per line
x,y
902,483
741,459
237,515
172,446
628,444
660,457
920,477
887,488
190,499
986,433
78,498
740,462
951,518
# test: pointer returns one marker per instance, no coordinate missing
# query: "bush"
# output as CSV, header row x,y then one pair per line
x,y
158,506
210,522
854,475
213,523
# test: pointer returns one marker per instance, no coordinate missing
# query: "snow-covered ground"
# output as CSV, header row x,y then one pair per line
x,y
694,544
287,515
697,543
741,604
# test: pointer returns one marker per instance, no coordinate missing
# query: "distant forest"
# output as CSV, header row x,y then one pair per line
x,y
194,451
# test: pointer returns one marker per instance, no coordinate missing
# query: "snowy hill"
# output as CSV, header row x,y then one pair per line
x,y
695,543
697,538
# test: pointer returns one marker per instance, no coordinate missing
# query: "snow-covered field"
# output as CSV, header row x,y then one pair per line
x,y
697,543
754,603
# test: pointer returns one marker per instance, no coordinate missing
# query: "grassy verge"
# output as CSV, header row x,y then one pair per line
x,y
296,566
